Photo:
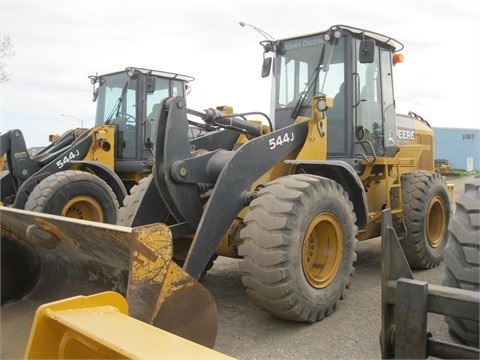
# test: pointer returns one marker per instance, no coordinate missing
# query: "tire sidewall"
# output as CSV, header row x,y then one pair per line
x,y
420,189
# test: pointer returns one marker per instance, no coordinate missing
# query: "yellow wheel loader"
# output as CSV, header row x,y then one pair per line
x,y
293,202
86,173
290,198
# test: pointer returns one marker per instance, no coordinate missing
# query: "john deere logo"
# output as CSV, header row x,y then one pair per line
x,y
390,138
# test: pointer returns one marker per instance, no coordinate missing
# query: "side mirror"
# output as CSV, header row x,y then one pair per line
x,y
359,132
151,80
93,80
266,66
95,93
367,51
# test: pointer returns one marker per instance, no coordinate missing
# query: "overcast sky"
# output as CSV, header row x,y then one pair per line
x,y
59,43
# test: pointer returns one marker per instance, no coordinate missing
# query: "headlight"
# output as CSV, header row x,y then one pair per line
x,y
321,104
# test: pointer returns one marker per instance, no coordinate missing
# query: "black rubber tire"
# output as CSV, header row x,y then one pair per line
x,y
92,199
462,259
426,212
273,246
127,212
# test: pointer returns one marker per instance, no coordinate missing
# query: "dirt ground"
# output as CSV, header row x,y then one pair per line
x,y
351,332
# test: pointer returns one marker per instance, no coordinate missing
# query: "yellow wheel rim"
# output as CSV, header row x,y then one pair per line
x,y
83,207
436,222
322,250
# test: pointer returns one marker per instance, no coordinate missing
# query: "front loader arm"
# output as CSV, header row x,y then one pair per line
x,y
177,175
182,200
230,194
20,165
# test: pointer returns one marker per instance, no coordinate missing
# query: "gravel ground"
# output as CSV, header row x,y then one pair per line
x,y
351,332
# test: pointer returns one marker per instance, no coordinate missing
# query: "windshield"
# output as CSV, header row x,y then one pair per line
x,y
308,67
116,98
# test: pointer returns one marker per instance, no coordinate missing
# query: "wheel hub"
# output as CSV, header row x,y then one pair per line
x,y
436,222
322,250
83,207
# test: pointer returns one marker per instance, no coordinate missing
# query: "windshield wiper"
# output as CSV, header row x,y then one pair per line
x,y
116,107
308,87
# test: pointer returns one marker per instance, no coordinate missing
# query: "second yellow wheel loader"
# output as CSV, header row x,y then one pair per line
x,y
86,173
291,198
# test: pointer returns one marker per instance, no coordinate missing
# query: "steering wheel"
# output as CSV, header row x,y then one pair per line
x,y
128,118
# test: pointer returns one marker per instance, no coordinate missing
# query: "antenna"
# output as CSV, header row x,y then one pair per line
x,y
260,31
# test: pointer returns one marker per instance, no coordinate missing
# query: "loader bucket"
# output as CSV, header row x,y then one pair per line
x,y
46,258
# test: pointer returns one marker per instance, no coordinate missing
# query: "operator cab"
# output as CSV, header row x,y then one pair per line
x,y
130,100
354,67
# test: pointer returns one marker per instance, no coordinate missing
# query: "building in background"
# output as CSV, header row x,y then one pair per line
x,y
461,147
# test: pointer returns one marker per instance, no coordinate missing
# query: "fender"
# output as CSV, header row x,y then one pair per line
x,y
342,173
107,174
63,161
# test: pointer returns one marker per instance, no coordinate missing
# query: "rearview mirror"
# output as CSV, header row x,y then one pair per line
x,y
367,51
266,66
151,80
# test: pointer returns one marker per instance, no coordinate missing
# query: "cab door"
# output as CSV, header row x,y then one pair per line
x,y
375,107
